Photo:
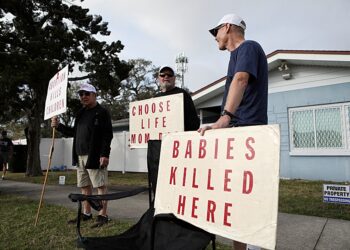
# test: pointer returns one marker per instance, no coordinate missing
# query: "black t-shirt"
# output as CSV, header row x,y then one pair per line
x,y
5,144
85,125
190,113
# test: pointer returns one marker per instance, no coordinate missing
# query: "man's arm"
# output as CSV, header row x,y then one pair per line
x,y
65,130
234,97
106,140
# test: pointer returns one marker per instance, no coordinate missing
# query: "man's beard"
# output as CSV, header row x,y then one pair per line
x,y
164,86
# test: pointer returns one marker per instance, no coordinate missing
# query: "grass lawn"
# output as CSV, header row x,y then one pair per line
x,y
306,197
295,196
17,230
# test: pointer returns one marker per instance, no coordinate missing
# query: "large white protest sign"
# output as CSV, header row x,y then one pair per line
x,y
152,118
225,182
56,98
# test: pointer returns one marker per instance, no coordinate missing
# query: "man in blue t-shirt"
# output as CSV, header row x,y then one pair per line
x,y
245,97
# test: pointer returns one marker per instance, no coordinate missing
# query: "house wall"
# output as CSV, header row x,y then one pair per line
x,y
122,158
334,168
309,85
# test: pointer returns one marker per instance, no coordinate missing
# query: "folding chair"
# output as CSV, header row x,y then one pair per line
x,y
159,232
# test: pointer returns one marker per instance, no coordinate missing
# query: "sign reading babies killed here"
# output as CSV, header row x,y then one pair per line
x,y
56,98
225,182
152,118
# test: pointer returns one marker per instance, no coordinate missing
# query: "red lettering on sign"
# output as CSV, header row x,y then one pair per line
x,y
247,182
156,122
168,106
133,111
194,184
153,108
173,175
176,149
209,186
202,150
146,137
164,120
227,180
216,148
181,205
211,210
184,177
133,138
140,110
227,214
250,148
140,138
160,136
146,108
229,148
194,207
188,152
161,107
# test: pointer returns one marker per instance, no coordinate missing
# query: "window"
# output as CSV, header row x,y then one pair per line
x,y
320,130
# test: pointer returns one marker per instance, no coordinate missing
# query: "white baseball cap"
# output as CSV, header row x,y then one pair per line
x,y
162,68
87,87
231,19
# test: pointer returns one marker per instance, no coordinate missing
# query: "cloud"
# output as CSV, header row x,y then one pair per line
x,y
158,30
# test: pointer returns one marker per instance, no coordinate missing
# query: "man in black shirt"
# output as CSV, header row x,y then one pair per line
x,y
166,79
6,151
92,136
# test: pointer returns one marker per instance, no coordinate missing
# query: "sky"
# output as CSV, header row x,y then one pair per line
x,y
159,30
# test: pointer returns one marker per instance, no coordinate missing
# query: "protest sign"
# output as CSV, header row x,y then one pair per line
x,y
56,98
152,118
225,182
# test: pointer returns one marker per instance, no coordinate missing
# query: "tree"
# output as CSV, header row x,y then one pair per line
x,y
141,84
39,37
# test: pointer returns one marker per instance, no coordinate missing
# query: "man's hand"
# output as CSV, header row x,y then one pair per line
x,y
203,129
222,122
54,122
104,161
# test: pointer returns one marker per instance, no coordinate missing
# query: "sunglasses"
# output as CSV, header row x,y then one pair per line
x,y
215,31
84,93
166,74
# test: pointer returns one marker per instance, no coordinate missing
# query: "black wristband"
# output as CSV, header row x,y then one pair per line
x,y
225,112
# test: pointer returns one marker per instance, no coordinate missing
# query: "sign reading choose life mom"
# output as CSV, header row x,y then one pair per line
x,y
152,118
225,182
56,98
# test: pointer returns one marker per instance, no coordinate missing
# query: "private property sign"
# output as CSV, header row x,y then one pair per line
x,y
56,98
152,118
225,182
336,193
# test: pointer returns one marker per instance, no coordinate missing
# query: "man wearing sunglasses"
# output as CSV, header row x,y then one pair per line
x,y
245,98
92,135
166,80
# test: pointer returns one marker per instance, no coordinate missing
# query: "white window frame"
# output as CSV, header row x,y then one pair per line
x,y
345,151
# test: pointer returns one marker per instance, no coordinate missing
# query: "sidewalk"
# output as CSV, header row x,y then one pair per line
x,y
294,232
